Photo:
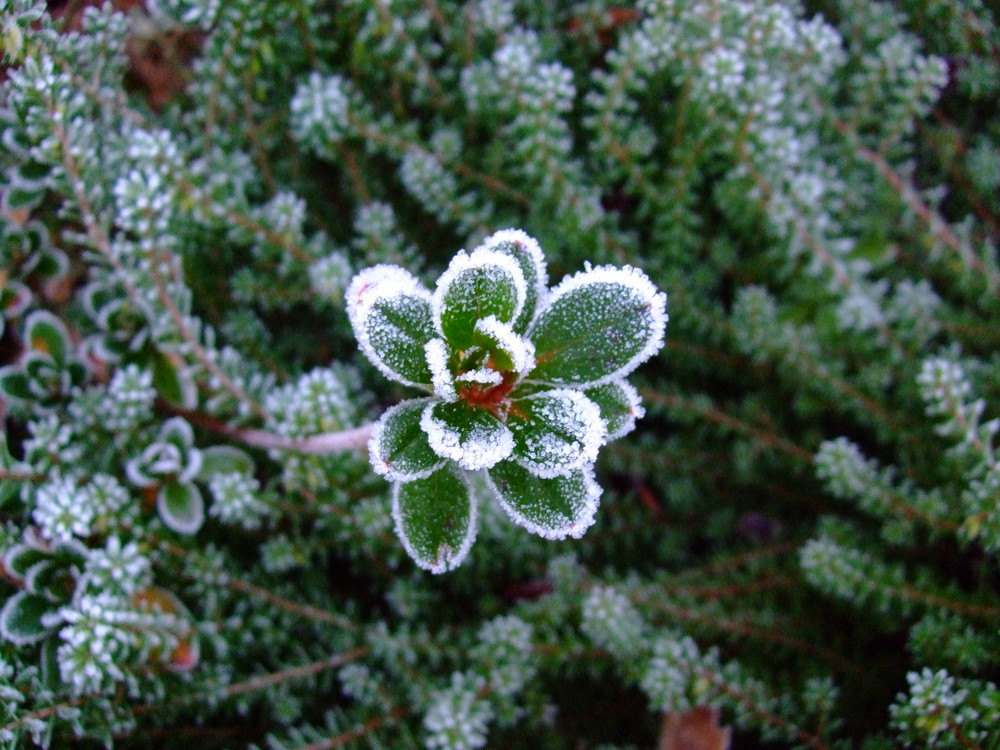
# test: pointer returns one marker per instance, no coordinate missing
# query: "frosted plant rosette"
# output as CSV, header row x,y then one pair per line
x,y
525,385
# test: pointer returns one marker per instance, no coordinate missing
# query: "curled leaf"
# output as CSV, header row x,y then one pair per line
x,y
474,287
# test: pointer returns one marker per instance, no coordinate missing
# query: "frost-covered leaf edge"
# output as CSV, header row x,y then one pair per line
x,y
590,441
536,257
370,286
628,276
375,456
459,555
576,528
468,455
478,258
634,412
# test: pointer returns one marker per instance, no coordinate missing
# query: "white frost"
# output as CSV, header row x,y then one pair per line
x,y
451,558
635,410
480,258
646,290
485,444
377,450
534,250
563,412
520,350
436,352
483,375
557,526
366,289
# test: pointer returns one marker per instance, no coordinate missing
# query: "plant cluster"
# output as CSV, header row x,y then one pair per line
x,y
243,423
527,385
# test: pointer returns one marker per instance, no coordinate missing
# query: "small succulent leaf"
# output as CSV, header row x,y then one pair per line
x,y
70,553
32,172
555,432
620,407
509,351
224,459
15,298
136,470
14,383
181,507
21,557
435,519
49,662
172,454
477,286
526,251
22,619
18,197
598,326
437,354
42,371
47,576
10,484
44,332
469,436
398,447
552,508
51,264
177,431
172,380
390,312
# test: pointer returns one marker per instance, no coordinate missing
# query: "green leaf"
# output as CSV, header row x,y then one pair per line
x,y
49,663
70,553
474,287
49,577
22,619
553,508
172,381
224,459
470,436
398,447
44,332
435,519
21,557
528,254
598,326
22,197
51,264
14,383
391,315
9,485
33,171
181,507
555,432
508,351
619,403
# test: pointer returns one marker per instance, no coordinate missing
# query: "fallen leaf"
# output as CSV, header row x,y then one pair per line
x,y
697,729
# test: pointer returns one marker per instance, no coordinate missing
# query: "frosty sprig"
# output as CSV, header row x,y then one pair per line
x,y
526,382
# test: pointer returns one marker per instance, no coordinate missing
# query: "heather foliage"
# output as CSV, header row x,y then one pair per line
x,y
298,299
